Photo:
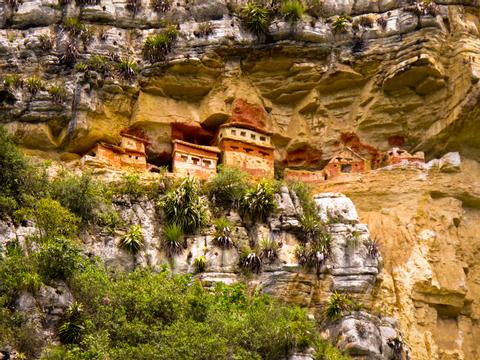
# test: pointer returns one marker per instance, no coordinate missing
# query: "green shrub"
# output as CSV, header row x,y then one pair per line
x,y
100,64
53,220
268,250
12,81
340,24
222,236
184,206
110,220
255,18
31,282
82,195
312,229
227,188
72,326
292,10
132,241
14,171
57,258
156,47
172,242
127,69
259,201
250,261
74,26
338,304
200,263
160,6
81,67
33,84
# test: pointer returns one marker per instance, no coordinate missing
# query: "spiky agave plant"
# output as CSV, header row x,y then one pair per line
x,y
292,10
337,305
172,242
259,201
200,263
222,233
132,241
256,18
184,206
268,250
127,69
156,47
250,261
73,324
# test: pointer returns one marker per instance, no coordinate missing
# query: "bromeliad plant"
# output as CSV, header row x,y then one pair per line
x,y
250,261
268,250
127,69
156,47
259,201
184,206
292,10
256,18
132,241
172,242
222,233
73,325
313,255
228,187
340,24
199,264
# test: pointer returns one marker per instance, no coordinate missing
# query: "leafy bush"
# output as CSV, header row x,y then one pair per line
x,y
58,93
172,242
14,169
337,305
222,236
100,64
132,241
127,69
250,261
156,47
82,195
33,84
200,263
57,258
184,206
12,81
31,282
81,67
312,228
256,18
340,24
160,6
53,220
268,249
292,10
228,187
259,201
72,327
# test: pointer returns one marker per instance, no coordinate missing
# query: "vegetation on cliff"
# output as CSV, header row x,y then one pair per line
x,y
141,314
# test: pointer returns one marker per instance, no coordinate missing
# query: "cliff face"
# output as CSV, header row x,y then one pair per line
x,y
400,78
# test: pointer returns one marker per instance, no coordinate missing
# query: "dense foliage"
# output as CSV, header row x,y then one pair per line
x,y
140,314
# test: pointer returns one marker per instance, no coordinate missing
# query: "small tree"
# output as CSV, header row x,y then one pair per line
x,y
53,220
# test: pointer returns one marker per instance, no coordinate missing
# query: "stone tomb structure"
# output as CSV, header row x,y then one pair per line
x,y
304,175
246,147
130,153
196,160
346,161
396,156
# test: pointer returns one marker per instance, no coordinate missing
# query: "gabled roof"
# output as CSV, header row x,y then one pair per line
x,y
125,134
347,148
213,149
